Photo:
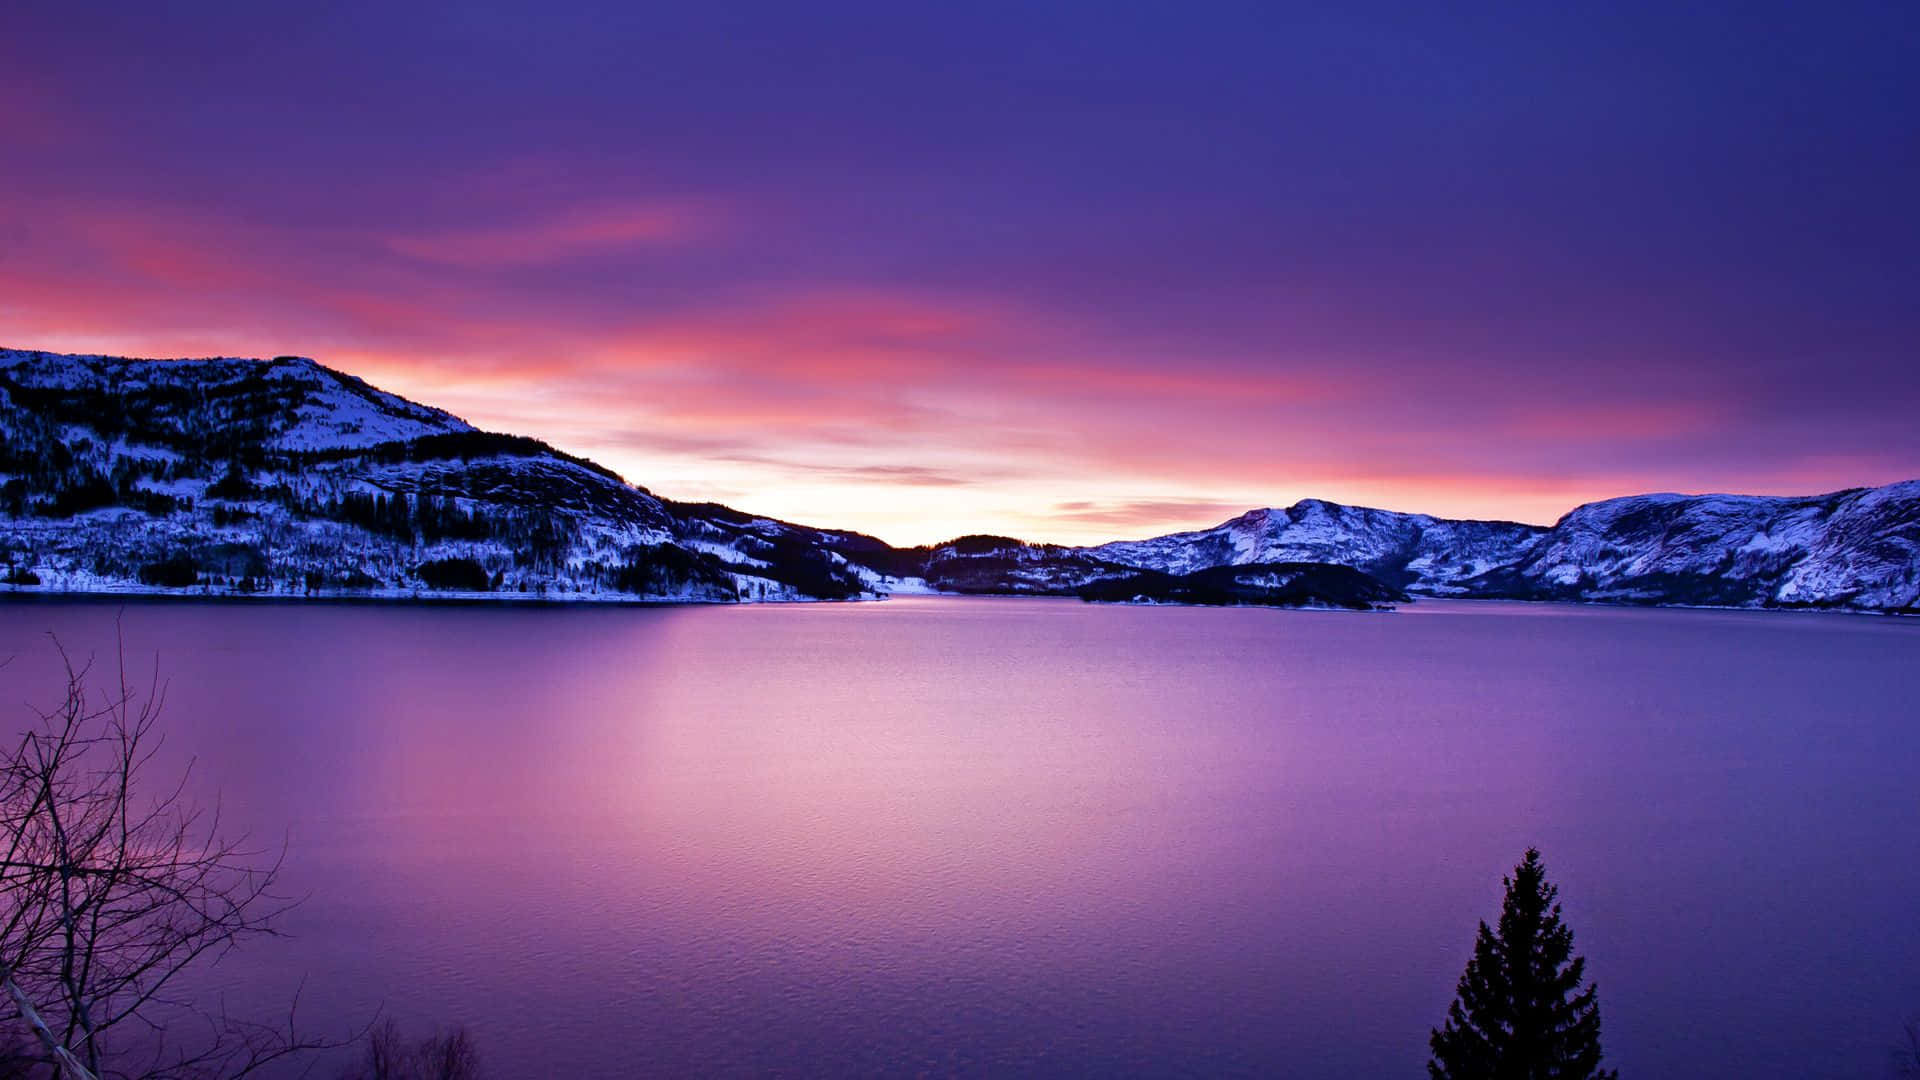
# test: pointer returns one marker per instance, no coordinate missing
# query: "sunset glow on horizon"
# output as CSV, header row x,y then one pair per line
x,y
1071,275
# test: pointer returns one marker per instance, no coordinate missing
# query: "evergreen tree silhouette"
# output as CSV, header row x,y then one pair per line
x,y
1520,1012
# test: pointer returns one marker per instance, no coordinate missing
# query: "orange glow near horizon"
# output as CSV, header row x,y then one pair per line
x,y
909,415
941,451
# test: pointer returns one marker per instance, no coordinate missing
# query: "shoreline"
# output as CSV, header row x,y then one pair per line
x,y
31,594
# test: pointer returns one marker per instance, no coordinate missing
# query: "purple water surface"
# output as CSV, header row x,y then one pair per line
x,y
1030,836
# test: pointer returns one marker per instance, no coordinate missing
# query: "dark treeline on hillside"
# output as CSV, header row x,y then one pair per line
x,y
225,420
241,477
1253,584
453,446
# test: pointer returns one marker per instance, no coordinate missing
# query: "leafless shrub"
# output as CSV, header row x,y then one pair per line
x,y
449,1055
111,887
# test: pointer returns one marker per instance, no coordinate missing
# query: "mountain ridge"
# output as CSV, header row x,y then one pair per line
x,y
234,476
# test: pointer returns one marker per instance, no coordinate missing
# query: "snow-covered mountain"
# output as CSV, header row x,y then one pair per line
x,y
1855,549
284,477
1414,551
1849,549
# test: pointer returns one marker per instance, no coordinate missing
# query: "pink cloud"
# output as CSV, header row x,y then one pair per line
x,y
906,412
578,233
1612,421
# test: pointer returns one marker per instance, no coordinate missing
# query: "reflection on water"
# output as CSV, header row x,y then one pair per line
x,y
939,835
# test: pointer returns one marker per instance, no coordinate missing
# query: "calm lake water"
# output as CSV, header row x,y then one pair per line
x,y
1033,836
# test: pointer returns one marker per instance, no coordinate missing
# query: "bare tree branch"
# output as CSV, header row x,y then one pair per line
x,y
107,895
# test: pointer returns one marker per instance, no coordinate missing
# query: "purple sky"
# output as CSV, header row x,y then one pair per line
x,y
1069,271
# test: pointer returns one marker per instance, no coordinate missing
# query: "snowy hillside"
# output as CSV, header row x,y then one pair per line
x,y
1858,548
288,403
1414,551
284,477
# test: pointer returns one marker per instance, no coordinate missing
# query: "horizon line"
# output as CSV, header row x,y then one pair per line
x,y
1026,539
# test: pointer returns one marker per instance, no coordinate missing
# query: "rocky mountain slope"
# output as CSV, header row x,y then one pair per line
x,y
1849,549
1425,554
285,477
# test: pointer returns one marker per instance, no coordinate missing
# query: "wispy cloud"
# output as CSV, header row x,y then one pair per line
x,y
583,232
1136,513
909,410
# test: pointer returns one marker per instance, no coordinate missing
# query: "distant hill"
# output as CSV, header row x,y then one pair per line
x,y
283,477
1857,549
1415,551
